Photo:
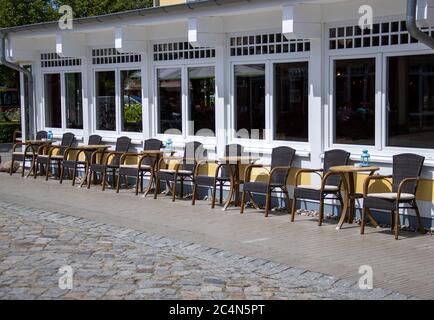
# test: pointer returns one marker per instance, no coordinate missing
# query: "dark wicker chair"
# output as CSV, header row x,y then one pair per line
x,y
108,162
223,175
281,163
184,170
28,154
330,183
407,169
145,164
54,155
72,164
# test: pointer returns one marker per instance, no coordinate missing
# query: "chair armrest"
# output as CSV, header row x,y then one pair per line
x,y
403,183
18,144
68,150
124,156
248,171
301,171
113,153
201,163
372,178
148,156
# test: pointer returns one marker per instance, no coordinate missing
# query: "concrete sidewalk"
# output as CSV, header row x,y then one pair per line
x,y
402,266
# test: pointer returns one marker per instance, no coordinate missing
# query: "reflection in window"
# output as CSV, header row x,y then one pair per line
x,y
53,109
169,101
73,101
355,101
105,101
250,99
201,88
131,100
291,101
411,102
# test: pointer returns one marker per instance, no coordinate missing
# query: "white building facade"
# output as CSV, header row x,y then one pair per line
x,y
260,73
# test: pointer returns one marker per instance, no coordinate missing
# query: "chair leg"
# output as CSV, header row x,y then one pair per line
x,y
142,178
151,182
193,201
12,167
243,202
118,184
221,194
214,194
267,203
392,220
182,188
363,221
89,178
74,174
397,223
47,171
294,208
137,183
104,178
321,211
157,183
24,167
62,172
174,190
288,201
419,219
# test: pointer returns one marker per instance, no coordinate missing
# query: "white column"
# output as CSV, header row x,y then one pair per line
x,y
316,109
87,96
220,100
147,92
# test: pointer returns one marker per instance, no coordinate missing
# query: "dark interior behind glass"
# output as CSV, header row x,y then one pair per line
x,y
170,101
410,108
250,98
355,101
131,101
291,101
106,101
53,109
74,101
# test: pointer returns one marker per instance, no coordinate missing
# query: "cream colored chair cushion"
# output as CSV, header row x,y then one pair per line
x,y
173,171
318,188
391,196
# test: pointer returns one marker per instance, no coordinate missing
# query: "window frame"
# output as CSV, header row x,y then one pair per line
x,y
117,70
183,65
62,72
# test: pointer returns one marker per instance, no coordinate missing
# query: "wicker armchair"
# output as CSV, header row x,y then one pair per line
x,y
407,169
54,155
145,164
108,162
29,152
222,176
281,163
330,183
75,163
184,170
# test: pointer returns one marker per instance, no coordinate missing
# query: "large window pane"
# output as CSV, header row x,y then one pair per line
x,y
105,101
53,109
291,101
169,101
73,101
131,100
250,99
202,100
411,102
355,101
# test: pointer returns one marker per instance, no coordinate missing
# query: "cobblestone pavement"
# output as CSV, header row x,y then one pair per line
x,y
118,263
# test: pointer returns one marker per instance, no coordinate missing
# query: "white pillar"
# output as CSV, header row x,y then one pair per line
x,y
220,99
316,109
147,92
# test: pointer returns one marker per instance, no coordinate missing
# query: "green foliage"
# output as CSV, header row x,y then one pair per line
x,y
133,113
7,131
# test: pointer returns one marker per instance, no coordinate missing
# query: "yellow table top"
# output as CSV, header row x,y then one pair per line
x,y
353,169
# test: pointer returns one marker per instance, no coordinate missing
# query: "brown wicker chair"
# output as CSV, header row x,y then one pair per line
x,y
145,164
28,154
109,162
223,175
281,163
407,169
72,164
54,155
330,183
184,170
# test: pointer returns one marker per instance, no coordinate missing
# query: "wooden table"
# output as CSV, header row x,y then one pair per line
x,y
236,161
348,180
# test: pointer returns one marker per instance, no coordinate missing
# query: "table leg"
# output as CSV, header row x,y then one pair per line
x,y
346,202
351,185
